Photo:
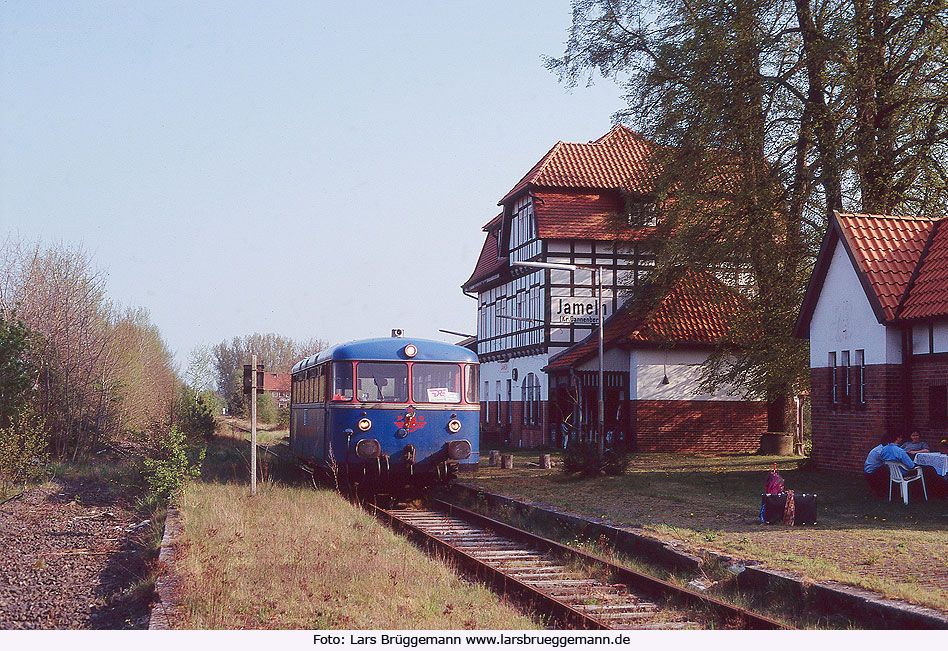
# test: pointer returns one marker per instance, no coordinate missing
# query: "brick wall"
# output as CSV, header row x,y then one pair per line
x,y
927,372
702,427
844,433
529,436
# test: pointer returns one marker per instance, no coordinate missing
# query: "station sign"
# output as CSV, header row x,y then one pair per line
x,y
566,310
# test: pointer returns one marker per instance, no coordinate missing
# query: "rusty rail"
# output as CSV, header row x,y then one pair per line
x,y
539,570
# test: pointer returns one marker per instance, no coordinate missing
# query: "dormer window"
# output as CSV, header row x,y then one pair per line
x,y
642,213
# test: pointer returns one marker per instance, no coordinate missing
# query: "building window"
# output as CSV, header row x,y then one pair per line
x,y
509,402
498,402
847,376
861,375
531,400
938,407
834,379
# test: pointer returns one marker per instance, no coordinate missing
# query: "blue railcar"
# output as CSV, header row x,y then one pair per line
x,y
387,413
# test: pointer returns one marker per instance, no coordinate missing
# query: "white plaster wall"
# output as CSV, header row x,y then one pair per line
x,y
930,337
940,336
493,371
684,370
843,319
613,360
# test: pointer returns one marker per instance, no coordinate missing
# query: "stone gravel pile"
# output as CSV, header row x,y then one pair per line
x,y
71,558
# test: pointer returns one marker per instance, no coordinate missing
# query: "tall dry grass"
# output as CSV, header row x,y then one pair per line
x,y
294,558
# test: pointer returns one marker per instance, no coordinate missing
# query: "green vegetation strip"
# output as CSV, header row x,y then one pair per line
x,y
293,558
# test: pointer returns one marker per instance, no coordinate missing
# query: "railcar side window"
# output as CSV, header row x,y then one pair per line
x,y
323,383
342,380
470,384
436,382
382,381
311,385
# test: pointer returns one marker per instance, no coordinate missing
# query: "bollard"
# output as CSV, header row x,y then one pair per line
x,y
494,460
545,462
506,461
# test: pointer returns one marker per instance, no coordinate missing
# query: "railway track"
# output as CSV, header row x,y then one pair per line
x,y
575,589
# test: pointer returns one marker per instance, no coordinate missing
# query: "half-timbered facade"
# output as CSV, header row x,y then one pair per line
x,y
587,205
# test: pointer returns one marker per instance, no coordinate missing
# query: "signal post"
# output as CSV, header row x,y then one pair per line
x,y
253,384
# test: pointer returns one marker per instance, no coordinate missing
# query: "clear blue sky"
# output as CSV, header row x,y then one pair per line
x,y
304,168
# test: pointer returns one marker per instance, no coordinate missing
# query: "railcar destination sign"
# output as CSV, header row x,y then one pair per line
x,y
568,309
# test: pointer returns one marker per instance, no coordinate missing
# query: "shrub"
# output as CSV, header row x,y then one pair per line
x,y
198,414
171,464
266,409
23,447
283,417
583,457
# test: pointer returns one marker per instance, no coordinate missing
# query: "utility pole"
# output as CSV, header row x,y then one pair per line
x,y
253,384
253,428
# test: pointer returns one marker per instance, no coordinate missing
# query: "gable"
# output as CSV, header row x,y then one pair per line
x,y
843,318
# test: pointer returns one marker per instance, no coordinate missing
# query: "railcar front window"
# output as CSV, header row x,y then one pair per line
x,y
382,381
436,382
470,384
342,380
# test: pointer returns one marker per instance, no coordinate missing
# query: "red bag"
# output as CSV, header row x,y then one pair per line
x,y
775,482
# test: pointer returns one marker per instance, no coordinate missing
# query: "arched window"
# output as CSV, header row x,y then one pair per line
x,y
531,399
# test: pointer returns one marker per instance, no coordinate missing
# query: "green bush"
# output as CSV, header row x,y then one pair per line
x,y
197,414
171,465
23,447
283,417
583,457
266,409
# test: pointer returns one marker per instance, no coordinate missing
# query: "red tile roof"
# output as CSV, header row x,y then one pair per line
x,y
887,250
928,296
583,215
697,310
487,262
618,160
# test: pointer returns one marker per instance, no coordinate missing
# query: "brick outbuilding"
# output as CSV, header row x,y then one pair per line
x,y
876,315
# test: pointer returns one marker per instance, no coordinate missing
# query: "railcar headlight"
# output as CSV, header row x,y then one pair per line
x,y
368,449
454,426
410,350
365,424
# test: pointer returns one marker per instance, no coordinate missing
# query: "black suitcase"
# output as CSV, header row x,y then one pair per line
x,y
772,506
804,508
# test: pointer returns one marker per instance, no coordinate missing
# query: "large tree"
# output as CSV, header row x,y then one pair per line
x,y
277,353
768,115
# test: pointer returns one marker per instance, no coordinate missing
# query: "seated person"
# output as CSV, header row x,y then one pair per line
x,y
876,472
915,445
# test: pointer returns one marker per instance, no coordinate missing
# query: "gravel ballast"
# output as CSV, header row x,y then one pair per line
x,y
71,558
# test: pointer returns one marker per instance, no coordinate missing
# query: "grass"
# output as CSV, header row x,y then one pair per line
x,y
713,503
295,558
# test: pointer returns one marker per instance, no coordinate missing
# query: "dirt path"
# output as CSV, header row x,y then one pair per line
x,y
70,559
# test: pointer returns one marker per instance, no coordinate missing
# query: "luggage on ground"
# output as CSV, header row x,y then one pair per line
x,y
774,508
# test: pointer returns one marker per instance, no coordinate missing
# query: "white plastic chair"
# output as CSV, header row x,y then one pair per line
x,y
895,477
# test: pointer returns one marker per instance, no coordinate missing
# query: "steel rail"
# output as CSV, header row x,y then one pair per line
x,y
501,581
650,585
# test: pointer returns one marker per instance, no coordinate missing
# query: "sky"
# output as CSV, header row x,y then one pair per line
x,y
313,169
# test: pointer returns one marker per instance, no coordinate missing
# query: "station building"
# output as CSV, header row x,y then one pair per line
x,y
590,204
876,315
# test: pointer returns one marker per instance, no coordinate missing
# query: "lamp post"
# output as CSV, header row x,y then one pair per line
x,y
601,428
